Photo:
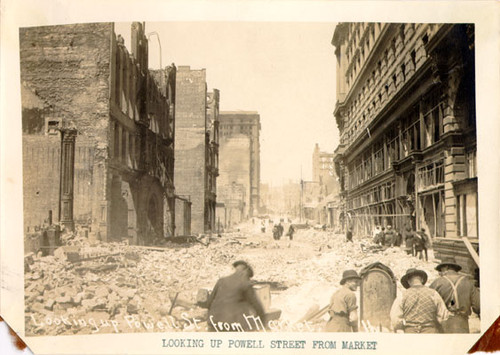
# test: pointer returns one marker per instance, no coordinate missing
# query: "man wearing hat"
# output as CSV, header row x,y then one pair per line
x,y
343,308
459,295
421,309
232,300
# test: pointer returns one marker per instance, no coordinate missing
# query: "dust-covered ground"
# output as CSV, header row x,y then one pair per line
x,y
120,288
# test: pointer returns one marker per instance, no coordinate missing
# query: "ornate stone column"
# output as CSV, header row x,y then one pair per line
x,y
67,173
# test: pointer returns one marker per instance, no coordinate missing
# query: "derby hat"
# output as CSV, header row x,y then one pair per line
x,y
413,272
244,263
450,262
348,275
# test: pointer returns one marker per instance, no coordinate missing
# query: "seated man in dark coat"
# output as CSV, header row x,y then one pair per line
x,y
233,304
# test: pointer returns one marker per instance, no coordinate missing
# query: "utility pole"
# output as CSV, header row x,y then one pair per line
x,y
301,195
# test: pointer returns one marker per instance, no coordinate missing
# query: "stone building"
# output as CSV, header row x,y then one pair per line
x,y
247,123
406,114
233,185
197,146
81,77
323,174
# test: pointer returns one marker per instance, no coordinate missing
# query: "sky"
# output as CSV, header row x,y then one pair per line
x,y
285,71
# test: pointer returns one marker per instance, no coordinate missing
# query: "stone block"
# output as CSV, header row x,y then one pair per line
x,y
49,304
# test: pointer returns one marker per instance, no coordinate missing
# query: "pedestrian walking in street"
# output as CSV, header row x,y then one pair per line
x,y
233,298
280,230
459,295
291,231
343,309
421,309
348,235
408,240
421,243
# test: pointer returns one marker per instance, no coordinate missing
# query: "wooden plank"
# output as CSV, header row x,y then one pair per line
x,y
471,250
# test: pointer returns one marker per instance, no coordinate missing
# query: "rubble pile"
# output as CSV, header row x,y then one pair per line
x,y
127,288
316,279
112,281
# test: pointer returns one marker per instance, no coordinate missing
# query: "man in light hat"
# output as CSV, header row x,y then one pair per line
x,y
459,295
233,300
421,309
343,308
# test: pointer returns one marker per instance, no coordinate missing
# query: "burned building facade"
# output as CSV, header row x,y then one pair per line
x,y
406,114
81,78
244,126
197,146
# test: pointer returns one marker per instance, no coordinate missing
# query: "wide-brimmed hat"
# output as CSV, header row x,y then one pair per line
x,y
244,263
349,274
413,272
450,262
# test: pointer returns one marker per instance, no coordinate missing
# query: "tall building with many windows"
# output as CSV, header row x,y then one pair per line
x,y
406,114
246,123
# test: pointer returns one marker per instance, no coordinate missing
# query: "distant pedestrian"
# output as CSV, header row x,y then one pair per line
x,y
233,298
343,309
459,295
421,309
421,243
276,233
408,240
348,235
291,231
280,230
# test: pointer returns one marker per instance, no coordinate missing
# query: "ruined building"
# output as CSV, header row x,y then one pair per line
x,y
323,174
197,146
242,129
406,114
117,123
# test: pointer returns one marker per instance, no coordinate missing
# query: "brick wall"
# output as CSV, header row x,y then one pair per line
x,y
190,148
65,73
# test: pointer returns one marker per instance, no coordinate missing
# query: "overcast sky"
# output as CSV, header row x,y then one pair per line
x,y
285,71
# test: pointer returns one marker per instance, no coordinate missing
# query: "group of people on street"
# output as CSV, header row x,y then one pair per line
x,y
443,307
415,243
278,231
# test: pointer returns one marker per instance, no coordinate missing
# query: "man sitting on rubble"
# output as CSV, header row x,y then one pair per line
x,y
380,237
459,294
343,308
233,302
389,237
421,309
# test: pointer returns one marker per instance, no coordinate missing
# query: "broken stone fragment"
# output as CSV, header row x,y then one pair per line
x,y
50,304
102,291
132,307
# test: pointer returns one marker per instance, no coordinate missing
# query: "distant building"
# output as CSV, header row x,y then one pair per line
x,y
328,187
234,180
196,148
82,77
246,123
406,114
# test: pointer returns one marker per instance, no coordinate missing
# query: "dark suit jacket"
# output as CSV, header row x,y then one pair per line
x,y
231,299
